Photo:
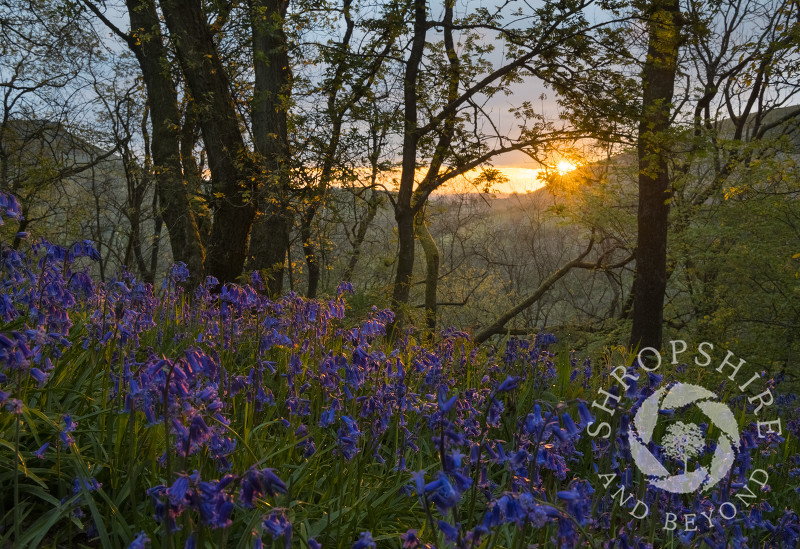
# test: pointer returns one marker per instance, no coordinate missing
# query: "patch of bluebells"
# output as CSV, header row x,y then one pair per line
x,y
341,390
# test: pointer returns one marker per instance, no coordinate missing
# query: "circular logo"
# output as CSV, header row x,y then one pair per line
x,y
681,441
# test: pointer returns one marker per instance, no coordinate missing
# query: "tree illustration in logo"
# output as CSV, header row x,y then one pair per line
x,y
681,441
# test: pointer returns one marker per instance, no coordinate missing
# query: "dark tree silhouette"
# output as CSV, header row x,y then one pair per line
x,y
658,81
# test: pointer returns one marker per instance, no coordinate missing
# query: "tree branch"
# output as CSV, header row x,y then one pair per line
x,y
497,326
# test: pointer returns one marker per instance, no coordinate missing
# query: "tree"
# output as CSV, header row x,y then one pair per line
x,y
733,222
147,43
683,442
432,271
497,326
664,23
269,106
443,129
126,116
43,58
235,178
239,177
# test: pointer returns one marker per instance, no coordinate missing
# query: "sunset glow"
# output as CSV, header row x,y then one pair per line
x,y
564,167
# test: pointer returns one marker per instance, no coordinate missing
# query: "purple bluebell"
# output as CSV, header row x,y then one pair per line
x,y
90,485
140,541
450,532
277,525
15,406
364,541
177,492
508,385
445,404
584,414
41,451
39,376
347,437
343,288
442,493
569,425
410,540
259,482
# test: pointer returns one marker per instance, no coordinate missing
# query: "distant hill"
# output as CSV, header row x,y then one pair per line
x,y
70,188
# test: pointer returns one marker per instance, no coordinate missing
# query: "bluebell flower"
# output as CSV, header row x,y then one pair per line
x,y
579,500
177,492
307,444
90,485
584,414
410,540
277,525
41,451
443,494
419,482
445,404
511,509
327,417
569,425
85,248
9,206
39,376
495,412
654,379
15,406
364,541
198,430
344,287
450,532
259,482
508,385
140,541
256,281
347,437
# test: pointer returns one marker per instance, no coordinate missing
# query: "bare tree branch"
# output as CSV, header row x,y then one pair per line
x,y
496,327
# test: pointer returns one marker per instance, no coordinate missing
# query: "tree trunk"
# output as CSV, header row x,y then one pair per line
x,y
191,171
155,247
405,261
309,252
148,46
432,270
361,232
269,248
658,78
404,214
270,240
234,181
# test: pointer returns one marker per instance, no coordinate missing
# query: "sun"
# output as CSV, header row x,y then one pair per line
x,y
565,167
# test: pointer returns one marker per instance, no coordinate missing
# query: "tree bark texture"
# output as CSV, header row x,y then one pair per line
x,y
234,181
270,239
148,46
658,75
404,213
431,272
